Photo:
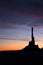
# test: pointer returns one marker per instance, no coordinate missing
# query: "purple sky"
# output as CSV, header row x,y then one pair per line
x,y
18,16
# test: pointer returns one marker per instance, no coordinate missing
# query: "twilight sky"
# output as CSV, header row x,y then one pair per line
x,y
16,19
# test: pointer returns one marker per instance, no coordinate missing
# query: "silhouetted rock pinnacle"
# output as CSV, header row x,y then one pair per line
x,y
32,45
32,42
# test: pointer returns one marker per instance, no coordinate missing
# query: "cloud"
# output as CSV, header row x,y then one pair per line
x,y
21,12
30,4
14,39
14,24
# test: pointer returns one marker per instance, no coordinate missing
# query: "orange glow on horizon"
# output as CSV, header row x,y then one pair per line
x,y
16,45
12,45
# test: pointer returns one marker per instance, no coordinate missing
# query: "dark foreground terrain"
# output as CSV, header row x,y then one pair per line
x,y
21,57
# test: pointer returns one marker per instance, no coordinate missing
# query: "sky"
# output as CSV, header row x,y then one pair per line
x,y
16,19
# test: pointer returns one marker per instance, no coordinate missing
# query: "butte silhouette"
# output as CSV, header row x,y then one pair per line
x,y
31,54
31,45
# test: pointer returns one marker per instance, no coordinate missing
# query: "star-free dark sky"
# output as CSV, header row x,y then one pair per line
x,y
16,19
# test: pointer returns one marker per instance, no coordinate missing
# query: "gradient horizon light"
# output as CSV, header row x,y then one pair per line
x,y
16,19
19,40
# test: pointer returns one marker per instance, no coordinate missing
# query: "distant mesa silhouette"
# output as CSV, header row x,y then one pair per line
x,y
29,55
31,45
